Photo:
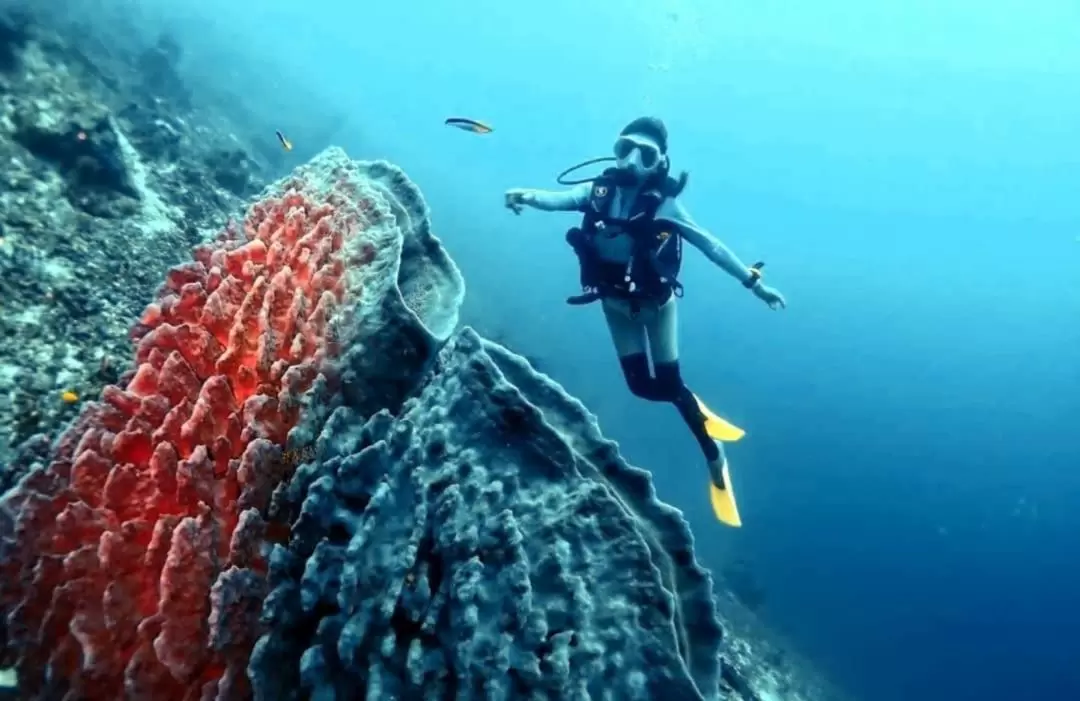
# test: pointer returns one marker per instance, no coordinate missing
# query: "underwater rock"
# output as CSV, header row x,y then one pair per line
x,y
36,450
152,130
502,338
71,281
739,578
14,33
232,170
158,70
87,153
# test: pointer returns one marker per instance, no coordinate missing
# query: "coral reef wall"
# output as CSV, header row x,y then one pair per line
x,y
146,524
484,543
456,527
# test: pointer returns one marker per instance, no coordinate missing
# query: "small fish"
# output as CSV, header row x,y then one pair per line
x,y
467,124
69,396
285,143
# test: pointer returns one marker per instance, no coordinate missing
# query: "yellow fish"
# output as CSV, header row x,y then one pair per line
x,y
69,396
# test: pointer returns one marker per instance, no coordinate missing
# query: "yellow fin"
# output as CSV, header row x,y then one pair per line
x,y
717,428
723,502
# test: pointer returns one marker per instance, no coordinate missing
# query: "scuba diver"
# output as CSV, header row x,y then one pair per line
x,y
629,246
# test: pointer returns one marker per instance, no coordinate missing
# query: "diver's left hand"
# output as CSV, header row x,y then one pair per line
x,y
769,296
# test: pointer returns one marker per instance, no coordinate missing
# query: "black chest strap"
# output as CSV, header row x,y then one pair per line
x,y
598,209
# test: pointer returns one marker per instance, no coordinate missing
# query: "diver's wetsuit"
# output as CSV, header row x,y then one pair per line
x,y
655,322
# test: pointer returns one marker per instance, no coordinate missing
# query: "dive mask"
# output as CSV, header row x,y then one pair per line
x,y
636,153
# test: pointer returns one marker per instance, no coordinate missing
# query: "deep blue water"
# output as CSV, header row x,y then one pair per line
x,y
908,169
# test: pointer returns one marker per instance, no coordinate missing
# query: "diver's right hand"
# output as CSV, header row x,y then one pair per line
x,y
516,199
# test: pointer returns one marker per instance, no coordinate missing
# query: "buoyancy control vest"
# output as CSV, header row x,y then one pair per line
x,y
651,274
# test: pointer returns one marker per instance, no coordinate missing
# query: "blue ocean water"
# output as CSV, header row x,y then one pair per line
x,y
908,170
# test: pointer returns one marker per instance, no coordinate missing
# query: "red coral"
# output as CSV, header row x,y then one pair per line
x,y
133,566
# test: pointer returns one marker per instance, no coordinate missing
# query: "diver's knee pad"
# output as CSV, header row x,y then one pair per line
x,y
641,383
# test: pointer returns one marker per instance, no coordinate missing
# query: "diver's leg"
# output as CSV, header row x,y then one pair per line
x,y
628,335
627,332
669,380
635,369
662,331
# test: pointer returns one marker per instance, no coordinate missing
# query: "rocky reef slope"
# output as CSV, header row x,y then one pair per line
x,y
109,176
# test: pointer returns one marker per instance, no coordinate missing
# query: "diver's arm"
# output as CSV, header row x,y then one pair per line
x,y
557,201
673,211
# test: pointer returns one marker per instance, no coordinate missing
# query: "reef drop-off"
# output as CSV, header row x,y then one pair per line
x,y
316,485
